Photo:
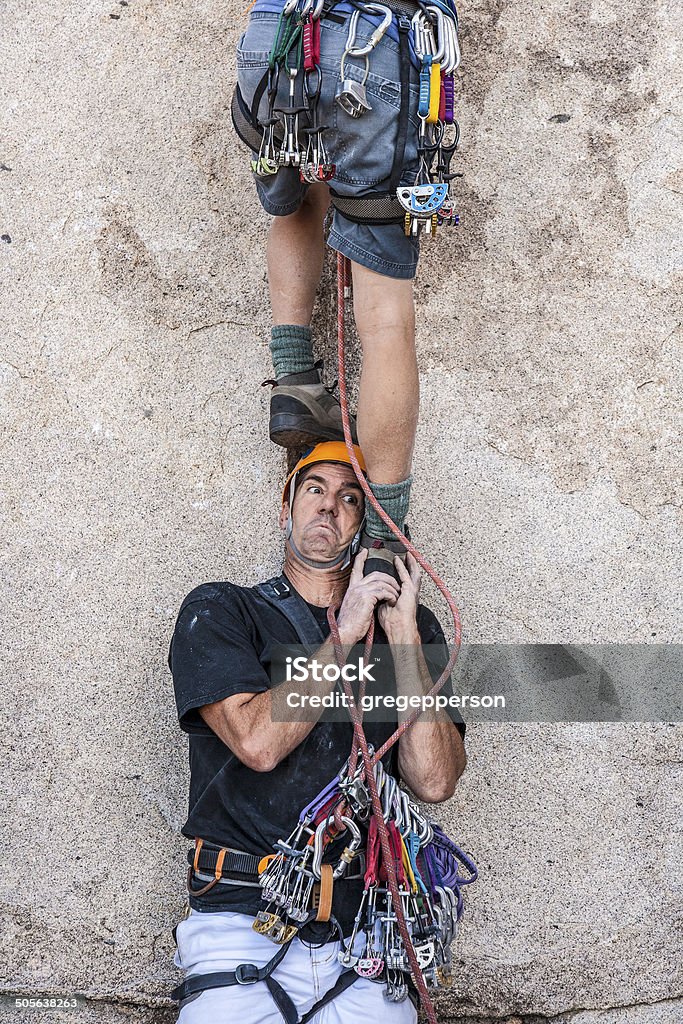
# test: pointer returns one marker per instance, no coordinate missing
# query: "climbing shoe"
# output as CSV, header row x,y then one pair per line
x,y
303,411
381,554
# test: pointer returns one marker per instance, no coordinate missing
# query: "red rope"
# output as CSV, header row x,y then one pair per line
x,y
343,279
360,742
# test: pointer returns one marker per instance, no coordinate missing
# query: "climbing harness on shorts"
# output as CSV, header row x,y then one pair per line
x,y
291,135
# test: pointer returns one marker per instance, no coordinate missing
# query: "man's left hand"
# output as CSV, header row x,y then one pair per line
x,y
399,621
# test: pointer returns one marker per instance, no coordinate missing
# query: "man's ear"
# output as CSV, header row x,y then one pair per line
x,y
284,516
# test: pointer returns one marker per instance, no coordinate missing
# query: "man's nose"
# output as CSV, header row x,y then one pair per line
x,y
329,503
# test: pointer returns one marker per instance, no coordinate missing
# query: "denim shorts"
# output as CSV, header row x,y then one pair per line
x,y
362,148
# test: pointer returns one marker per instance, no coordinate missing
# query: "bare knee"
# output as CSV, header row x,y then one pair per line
x,y
385,318
317,200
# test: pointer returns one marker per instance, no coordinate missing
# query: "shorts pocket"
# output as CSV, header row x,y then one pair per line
x,y
364,147
255,43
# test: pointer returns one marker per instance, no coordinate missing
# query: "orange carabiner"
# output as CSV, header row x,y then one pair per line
x,y
265,861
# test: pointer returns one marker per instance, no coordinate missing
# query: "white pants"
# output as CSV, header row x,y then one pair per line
x,y
220,941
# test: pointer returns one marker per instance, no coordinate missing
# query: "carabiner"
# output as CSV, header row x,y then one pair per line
x,y
349,851
423,36
455,44
448,53
370,8
441,39
309,8
318,846
406,813
419,42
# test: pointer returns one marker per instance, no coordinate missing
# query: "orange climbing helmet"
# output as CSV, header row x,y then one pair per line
x,y
326,451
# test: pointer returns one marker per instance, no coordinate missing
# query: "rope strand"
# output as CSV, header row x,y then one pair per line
x,y
360,744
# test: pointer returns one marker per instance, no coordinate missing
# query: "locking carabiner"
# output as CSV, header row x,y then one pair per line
x,y
370,8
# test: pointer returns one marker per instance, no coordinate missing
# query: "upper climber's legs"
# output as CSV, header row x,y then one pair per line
x,y
302,411
388,400
389,385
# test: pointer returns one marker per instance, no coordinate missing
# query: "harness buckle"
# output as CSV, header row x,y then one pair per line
x,y
246,974
279,588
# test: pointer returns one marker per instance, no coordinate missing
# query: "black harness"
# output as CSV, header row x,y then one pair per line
x,y
250,974
279,593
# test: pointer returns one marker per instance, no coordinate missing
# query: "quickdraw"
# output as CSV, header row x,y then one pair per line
x,y
428,203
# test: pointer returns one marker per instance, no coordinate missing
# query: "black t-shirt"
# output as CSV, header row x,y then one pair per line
x,y
222,645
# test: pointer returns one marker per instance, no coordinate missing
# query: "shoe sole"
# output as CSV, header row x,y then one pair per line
x,y
374,564
291,430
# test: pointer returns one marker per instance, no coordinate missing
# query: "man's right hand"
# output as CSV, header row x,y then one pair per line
x,y
363,595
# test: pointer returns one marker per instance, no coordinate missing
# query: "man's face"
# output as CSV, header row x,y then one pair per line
x,y
328,509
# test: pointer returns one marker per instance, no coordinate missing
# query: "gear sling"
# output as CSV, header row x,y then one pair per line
x,y
427,202
278,593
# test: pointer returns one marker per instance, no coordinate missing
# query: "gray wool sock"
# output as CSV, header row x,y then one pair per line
x,y
291,349
394,499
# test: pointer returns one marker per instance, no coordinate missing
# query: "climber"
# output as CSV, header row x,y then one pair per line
x,y
250,775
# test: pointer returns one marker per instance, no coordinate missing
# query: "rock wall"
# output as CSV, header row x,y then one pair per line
x,y
136,464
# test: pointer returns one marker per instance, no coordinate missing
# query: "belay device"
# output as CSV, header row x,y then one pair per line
x,y
292,136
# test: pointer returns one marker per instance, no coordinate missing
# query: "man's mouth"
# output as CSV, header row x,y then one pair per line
x,y
326,526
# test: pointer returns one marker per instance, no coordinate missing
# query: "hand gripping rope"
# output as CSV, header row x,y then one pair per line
x,y
360,741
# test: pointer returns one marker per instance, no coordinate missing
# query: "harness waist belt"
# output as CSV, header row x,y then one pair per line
x,y
238,866
380,205
235,862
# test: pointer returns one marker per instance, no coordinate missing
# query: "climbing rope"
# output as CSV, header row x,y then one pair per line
x,y
360,744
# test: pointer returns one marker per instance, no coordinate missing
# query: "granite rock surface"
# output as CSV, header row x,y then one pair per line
x,y
136,464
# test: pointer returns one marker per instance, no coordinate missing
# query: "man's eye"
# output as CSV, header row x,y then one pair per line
x,y
314,487
351,499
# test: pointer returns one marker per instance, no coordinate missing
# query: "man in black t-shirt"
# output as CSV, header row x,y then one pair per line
x,y
250,775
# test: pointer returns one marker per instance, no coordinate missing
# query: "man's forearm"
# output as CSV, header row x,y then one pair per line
x,y
431,754
248,727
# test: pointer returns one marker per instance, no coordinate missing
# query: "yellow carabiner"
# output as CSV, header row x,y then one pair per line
x,y
434,93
